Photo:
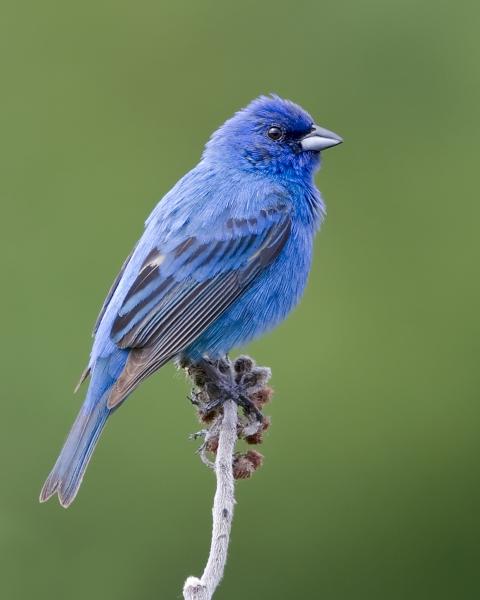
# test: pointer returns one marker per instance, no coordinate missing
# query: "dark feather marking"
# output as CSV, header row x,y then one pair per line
x,y
270,251
144,361
211,254
231,245
132,340
251,241
155,317
145,277
195,254
111,291
209,298
200,306
183,247
242,244
205,314
151,256
148,271
122,321
238,245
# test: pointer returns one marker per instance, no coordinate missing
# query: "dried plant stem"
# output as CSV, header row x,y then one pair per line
x,y
223,504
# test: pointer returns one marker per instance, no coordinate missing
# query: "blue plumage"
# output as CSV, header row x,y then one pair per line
x,y
224,257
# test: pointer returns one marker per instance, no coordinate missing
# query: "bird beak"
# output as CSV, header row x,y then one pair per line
x,y
320,139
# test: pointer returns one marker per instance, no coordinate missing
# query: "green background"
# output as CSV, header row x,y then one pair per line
x,y
371,486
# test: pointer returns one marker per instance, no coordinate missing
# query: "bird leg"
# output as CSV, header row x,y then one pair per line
x,y
221,380
249,407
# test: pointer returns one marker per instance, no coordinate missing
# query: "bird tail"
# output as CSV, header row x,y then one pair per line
x,y
67,473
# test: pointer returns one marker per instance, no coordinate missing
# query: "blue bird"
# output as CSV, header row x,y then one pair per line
x,y
223,258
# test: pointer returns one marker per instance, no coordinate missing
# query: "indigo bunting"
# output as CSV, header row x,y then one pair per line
x,y
223,258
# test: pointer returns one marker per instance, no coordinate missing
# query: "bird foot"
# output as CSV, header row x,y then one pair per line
x,y
246,384
249,407
221,380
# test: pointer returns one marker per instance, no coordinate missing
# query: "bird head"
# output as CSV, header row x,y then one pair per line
x,y
273,135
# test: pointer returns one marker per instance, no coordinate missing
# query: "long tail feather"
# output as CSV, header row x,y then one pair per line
x,y
67,474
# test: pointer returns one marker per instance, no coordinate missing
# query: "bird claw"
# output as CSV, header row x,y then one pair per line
x,y
220,381
249,407
240,400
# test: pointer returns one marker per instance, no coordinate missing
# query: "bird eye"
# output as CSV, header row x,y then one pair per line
x,y
275,133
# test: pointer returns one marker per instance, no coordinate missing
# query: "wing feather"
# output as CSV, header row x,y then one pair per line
x,y
163,316
111,291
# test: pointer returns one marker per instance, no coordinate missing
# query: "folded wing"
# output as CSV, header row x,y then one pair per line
x,y
179,292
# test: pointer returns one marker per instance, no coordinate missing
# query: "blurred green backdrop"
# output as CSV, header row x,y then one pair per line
x,y
370,488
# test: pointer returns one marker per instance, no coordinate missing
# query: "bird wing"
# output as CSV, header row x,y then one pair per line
x,y
106,302
181,290
111,291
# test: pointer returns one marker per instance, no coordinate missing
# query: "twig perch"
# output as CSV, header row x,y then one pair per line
x,y
222,512
220,388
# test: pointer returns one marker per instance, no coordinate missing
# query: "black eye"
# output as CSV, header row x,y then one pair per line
x,y
275,133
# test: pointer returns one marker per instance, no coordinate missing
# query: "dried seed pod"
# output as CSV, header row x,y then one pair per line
x,y
255,438
220,380
243,364
212,444
245,464
252,379
267,421
207,416
242,467
261,396
255,458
